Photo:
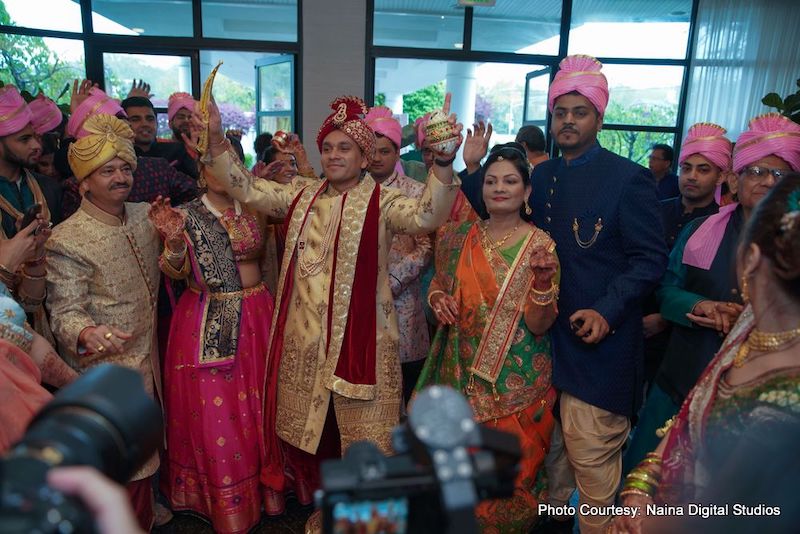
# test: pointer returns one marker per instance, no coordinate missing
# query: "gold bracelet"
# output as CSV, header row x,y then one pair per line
x,y
432,293
29,276
626,492
171,255
544,298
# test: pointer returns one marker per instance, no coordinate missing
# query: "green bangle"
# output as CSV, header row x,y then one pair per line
x,y
640,485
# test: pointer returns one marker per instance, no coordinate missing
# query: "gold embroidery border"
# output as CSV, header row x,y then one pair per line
x,y
307,195
502,322
350,228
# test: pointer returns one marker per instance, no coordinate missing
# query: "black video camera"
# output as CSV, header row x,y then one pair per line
x,y
445,465
106,420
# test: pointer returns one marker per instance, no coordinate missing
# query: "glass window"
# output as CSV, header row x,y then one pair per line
x,y
235,91
643,94
165,74
143,17
515,27
62,15
632,144
630,28
34,63
264,20
429,24
494,91
538,83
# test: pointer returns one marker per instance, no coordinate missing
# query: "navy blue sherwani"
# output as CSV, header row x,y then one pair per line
x,y
610,272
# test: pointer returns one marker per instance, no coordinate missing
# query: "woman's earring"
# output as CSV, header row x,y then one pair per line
x,y
745,290
528,209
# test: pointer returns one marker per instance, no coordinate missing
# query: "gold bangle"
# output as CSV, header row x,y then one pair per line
x,y
626,492
172,255
650,489
544,298
26,274
432,293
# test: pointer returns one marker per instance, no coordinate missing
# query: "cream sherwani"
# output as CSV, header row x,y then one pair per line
x,y
104,271
306,378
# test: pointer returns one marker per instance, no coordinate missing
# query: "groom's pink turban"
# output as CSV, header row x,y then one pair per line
x,y
581,74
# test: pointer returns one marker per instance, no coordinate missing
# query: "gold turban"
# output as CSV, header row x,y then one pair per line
x,y
109,138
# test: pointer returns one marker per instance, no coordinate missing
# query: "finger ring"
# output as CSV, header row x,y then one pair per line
x,y
108,335
100,348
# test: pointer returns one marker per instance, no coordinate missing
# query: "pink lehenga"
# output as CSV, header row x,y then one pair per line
x,y
214,374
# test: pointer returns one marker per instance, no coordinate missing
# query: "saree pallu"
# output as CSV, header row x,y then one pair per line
x,y
214,417
683,475
21,393
521,398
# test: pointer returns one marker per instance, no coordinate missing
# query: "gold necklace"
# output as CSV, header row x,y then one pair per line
x,y
498,244
764,342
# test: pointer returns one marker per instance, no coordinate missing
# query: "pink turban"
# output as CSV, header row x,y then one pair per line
x,y
582,74
46,115
708,140
14,112
419,128
178,101
97,102
771,134
381,121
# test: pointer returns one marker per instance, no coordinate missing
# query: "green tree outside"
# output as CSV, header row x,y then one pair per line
x,y
28,63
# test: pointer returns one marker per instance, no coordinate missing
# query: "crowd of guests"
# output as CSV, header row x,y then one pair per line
x,y
632,328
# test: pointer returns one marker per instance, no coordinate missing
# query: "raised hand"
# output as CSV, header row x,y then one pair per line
x,y
544,265
170,222
293,146
270,171
476,145
455,131
141,88
80,92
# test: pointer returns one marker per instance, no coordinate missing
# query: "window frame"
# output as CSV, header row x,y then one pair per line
x,y
374,52
95,44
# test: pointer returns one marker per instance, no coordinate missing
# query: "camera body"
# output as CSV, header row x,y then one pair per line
x,y
445,464
106,420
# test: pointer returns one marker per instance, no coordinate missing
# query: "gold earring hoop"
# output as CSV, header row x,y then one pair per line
x,y
528,209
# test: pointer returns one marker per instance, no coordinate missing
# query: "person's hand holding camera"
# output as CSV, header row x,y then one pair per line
x,y
19,249
108,502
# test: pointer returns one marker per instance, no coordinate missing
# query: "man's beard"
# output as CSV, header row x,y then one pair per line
x,y
11,157
176,133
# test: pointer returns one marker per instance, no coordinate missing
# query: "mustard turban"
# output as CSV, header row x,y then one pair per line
x,y
108,138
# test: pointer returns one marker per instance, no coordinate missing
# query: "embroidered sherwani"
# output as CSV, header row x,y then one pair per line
x,y
307,373
104,271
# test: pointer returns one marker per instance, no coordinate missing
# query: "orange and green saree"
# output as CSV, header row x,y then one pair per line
x,y
492,357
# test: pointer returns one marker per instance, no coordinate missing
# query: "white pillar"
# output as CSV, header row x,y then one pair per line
x,y
394,101
462,84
